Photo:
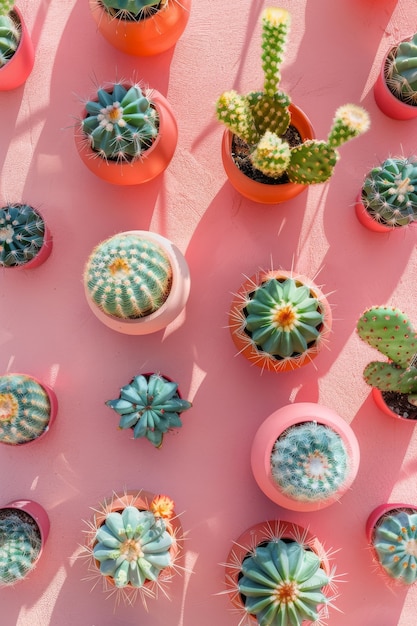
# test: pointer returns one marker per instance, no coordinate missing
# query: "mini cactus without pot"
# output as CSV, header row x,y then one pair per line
x,y
20,545
151,406
262,118
23,235
9,32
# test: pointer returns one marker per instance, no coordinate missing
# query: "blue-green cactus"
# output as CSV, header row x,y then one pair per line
x,y
22,234
133,9
128,276
121,124
20,545
309,462
395,543
25,409
9,33
401,71
151,406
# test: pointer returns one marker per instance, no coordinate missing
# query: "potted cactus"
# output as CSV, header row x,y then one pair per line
x,y
279,320
25,240
304,456
126,135
150,405
395,90
16,49
393,382
269,149
141,27
388,197
391,531
279,574
133,543
27,409
136,282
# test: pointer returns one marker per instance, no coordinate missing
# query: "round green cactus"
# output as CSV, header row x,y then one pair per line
x,y
132,9
132,547
20,545
389,192
150,405
309,462
128,276
22,234
402,71
283,584
271,155
395,543
25,409
121,123
9,37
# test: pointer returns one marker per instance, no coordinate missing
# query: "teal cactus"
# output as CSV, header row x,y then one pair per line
x,y
128,276
25,409
133,547
283,584
9,32
22,234
20,545
121,124
395,543
262,118
390,331
132,9
401,68
151,406
389,192
309,462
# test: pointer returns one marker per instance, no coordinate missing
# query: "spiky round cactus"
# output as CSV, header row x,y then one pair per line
x,y
271,155
121,123
20,545
25,409
22,234
401,68
283,584
395,543
132,9
9,37
151,406
309,462
389,192
128,276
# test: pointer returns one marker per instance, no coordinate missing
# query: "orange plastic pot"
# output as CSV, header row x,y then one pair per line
x,y
154,160
17,70
150,36
260,192
387,102
249,349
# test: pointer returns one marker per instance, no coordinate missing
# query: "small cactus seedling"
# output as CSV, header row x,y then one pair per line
x,y
9,32
394,541
25,409
133,9
391,332
401,71
20,545
151,406
22,234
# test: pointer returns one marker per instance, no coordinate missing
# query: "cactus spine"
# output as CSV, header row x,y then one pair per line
x,y
402,71
9,32
395,543
20,545
22,234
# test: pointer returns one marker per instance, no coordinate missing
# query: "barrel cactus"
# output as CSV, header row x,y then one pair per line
x,y
9,32
401,71
22,234
151,406
132,9
20,545
128,276
25,409
394,541
121,122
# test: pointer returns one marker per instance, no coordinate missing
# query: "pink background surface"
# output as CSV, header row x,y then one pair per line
x,y
47,329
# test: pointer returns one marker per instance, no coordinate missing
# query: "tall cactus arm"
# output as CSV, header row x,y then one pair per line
x,y
275,27
233,111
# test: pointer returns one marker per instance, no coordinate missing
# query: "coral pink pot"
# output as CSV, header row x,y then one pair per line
x,y
254,190
17,70
387,102
274,426
153,35
155,159
382,405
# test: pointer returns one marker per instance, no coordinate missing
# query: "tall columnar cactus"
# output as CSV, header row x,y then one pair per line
x,y
22,234
391,332
9,32
395,543
402,71
25,409
128,9
20,545
283,584
261,118
128,276
121,124
151,406
309,462
389,192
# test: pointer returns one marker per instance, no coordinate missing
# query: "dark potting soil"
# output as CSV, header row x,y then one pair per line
x,y
240,154
398,403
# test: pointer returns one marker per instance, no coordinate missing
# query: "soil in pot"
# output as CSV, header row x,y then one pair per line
x,y
398,403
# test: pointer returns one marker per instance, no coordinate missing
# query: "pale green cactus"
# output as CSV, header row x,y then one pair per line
x,y
20,545
6,6
402,71
394,541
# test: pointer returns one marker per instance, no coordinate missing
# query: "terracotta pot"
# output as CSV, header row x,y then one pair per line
x,y
155,159
17,70
171,308
385,99
381,404
249,350
368,221
274,426
153,35
260,192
